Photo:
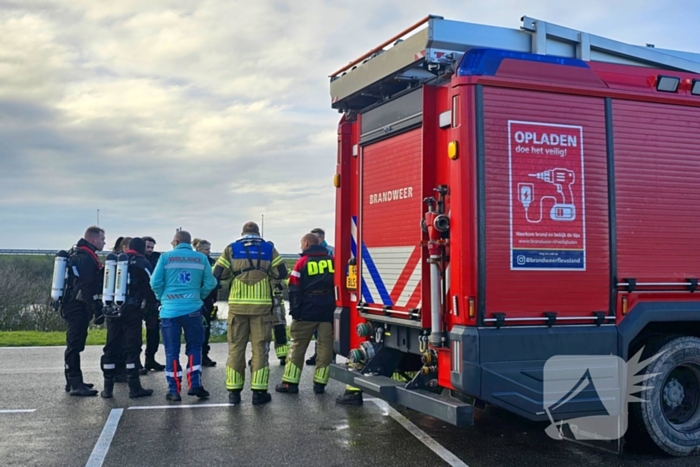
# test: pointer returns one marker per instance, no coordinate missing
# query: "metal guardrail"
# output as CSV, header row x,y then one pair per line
x,y
287,256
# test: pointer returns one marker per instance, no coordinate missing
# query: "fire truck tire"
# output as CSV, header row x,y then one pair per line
x,y
670,415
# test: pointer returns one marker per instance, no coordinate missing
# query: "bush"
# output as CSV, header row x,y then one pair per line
x,y
25,288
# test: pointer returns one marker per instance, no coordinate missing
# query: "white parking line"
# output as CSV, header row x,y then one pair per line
x,y
100,451
179,406
18,411
423,437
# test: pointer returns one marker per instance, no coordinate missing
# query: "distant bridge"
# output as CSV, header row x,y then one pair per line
x,y
101,253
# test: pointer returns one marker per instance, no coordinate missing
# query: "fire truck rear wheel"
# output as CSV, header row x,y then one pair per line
x,y
671,414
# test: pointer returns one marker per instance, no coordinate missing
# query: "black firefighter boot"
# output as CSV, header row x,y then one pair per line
x,y
135,389
261,397
68,384
234,397
78,388
349,398
208,362
312,360
153,365
108,391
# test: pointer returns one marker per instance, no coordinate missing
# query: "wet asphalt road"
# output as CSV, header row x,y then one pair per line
x,y
304,429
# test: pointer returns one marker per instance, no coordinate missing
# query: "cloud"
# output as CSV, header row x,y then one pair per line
x,y
206,114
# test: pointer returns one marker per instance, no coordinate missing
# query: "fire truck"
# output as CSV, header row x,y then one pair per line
x,y
514,217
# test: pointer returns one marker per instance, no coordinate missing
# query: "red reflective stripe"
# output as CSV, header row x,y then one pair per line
x,y
401,283
415,298
298,267
189,372
177,380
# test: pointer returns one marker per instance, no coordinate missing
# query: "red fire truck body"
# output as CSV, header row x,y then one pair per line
x,y
509,196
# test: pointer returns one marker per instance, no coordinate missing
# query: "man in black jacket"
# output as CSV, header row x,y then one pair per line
x,y
124,324
80,303
151,318
311,304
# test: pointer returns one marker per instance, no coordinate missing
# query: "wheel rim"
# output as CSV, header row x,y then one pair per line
x,y
681,397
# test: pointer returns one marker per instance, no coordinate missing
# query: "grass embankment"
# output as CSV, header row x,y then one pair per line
x,y
96,336
38,338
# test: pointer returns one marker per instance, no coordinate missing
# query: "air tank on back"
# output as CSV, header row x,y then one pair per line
x,y
110,279
59,275
122,279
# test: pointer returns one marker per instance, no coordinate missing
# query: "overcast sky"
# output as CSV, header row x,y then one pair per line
x,y
206,114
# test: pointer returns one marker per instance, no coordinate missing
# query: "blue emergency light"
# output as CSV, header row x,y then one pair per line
x,y
485,62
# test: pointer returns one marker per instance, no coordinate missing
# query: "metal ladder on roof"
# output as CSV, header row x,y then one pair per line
x,y
417,55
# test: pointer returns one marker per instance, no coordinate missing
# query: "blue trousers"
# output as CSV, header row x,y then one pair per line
x,y
172,329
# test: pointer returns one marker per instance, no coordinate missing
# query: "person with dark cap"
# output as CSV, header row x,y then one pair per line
x,y
124,324
151,318
120,372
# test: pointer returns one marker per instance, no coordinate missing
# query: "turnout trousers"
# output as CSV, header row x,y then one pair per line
x,y
152,335
208,310
279,327
172,329
123,341
302,332
258,330
77,316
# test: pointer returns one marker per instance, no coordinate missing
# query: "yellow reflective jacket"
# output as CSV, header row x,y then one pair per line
x,y
252,263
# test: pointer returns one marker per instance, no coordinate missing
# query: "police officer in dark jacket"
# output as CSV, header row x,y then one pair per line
x,y
151,318
81,301
124,324
311,304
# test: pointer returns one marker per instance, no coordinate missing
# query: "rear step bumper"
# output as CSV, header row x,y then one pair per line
x,y
442,407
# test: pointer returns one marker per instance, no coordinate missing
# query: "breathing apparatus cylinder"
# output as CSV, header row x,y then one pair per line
x,y
59,275
122,279
110,279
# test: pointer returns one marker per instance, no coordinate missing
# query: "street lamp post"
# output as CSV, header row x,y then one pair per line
x,y
98,218
262,226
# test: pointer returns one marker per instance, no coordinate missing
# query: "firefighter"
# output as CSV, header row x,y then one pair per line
x,y
120,246
279,326
210,308
80,302
250,262
321,234
311,304
124,324
151,318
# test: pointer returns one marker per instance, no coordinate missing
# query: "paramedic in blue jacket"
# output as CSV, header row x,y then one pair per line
x,y
181,280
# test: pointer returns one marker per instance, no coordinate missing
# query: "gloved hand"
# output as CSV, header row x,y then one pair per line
x,y
214,312
97,311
